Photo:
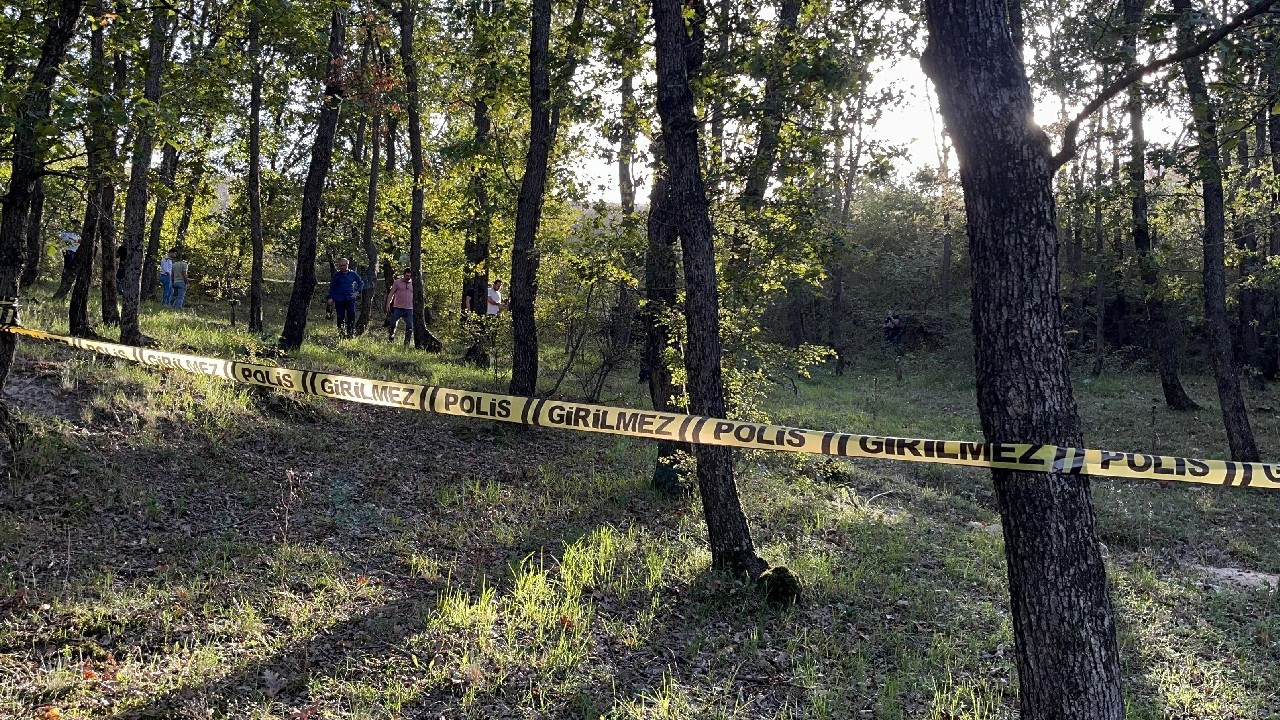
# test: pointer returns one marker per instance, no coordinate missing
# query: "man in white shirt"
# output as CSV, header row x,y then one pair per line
x,y
166,276
495,304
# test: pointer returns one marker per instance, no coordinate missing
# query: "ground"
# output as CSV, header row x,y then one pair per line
x,y
174,546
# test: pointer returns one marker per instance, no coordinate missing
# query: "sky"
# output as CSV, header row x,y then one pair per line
x,y
910,124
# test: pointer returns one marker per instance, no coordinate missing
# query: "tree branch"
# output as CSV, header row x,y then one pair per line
x,y
1068,150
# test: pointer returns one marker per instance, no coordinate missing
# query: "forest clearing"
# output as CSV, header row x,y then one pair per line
x,y
179,546
1031,246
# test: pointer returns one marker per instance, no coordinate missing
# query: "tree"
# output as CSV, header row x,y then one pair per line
x,y
27,148
422,337
150,261
727,530
304,278
544,124
1165,353
1209,165
1063,623
35,248
367,240
253,186
135,206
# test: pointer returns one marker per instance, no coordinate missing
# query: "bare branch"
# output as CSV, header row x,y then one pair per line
x,y
1068,150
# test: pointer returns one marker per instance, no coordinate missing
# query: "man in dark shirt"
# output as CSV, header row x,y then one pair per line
x,y
893,331
344,288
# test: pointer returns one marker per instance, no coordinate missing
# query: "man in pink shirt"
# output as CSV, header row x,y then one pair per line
x,y
400,305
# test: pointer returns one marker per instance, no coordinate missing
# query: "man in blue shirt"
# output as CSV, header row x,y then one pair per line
x,y
344,287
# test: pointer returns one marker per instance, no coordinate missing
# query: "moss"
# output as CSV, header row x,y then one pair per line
x,y
779,586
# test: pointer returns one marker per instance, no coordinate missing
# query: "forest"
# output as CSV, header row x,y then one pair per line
x,y
676,206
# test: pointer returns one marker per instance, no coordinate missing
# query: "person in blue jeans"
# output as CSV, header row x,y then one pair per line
x,y
344,287
166,277
179,269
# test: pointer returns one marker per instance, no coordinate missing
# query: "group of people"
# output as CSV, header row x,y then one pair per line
x,y
346,285
173,269
173,278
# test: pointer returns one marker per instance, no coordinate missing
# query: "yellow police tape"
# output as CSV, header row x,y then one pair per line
x,y
690,428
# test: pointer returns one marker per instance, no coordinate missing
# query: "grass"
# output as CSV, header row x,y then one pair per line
x,y
177,546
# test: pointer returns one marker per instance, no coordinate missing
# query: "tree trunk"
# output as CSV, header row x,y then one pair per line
x,y
1160,339
304,277
393,129
1273,139
35,246
1251,255
475,271
27,151
769,136
151,263
727,530
189,201
524,251
370,247
660,281
1099,263
135,206
254,181
1234,415
423,339
1063,623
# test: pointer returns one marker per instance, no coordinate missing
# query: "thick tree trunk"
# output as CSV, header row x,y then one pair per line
x,y
727,530
151,262
304,278
1163,348
423,339
1063,623
524,251
135,206
27,150
1234,415
367,241
254,181
35,245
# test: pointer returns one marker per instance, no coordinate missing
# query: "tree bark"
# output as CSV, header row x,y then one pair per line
x,y
524,251
135,206
254,181
1160,343
151,262
27,149
1063,623
370,247
660,282
475,271
304,278
393,129
1234,415
35,246
423,339
727,530
1273,139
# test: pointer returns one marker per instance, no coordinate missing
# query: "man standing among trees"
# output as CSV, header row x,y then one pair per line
x,y
345,287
